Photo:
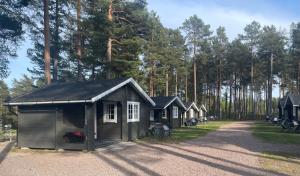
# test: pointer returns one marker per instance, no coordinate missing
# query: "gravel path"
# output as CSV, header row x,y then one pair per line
x,y
231,150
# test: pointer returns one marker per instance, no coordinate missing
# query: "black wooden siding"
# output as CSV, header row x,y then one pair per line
x,y
170,121
72,117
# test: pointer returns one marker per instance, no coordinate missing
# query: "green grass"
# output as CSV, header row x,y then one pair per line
x,y
286,163
274,134
188,133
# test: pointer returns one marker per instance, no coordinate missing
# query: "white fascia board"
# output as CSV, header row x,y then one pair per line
x,y
130,80
180,102
47,102
195,106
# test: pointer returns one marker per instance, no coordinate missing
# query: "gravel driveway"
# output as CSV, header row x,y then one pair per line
x,y
229,151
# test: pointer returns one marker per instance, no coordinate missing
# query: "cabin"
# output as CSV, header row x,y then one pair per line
x,y
203,111
192,111
291,107
168,110
280,107
82,115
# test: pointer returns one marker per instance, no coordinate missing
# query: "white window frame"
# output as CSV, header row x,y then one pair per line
x,y
151,115
175,112
105,113
164,114
135,113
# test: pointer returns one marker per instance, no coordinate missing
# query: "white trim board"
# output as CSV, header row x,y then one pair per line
x,y
180,102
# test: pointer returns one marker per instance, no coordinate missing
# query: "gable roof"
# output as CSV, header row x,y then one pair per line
x,y
163,102
295,99
281,101
76,92
188,105
203,108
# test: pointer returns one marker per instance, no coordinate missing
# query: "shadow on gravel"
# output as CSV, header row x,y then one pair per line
x,y
221,159
115,165
208,163
134,164
250,154
5,151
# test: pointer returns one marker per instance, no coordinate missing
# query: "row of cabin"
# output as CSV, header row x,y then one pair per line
x,y
289,106
85,115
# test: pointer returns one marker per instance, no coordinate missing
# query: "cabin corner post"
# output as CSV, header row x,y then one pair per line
x,y
90,110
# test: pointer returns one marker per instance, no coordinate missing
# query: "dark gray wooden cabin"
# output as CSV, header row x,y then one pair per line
x,y
82,115
192,111
281,112
169,110
291,106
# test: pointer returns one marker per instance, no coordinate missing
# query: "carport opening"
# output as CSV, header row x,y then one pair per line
x,y
73,124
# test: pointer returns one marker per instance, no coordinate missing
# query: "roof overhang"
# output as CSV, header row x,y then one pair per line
x,y
203,108
179,101
94,99
193,105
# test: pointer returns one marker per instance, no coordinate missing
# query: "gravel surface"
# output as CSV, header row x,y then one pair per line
x,y
231,150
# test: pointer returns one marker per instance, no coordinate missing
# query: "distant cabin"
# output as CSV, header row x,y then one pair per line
x,y
82,115
291,107
168,110
192,110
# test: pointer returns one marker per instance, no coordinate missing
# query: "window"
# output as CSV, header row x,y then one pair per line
x,y
110,113
133,111
151,115
175,112
164,114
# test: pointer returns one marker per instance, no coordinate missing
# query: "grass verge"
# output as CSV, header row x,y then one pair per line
x,y
188,133
286,163
274,134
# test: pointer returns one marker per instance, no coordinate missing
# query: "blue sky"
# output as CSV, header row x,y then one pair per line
x,y
232,14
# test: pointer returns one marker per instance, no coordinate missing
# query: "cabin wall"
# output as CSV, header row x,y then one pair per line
x,y
128,130
170,121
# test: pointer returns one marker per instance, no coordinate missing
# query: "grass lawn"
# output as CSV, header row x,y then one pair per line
x,y
286,163
188,133
274,134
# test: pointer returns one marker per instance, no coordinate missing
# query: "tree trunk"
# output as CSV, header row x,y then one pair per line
x,y
195,82
226,98
78,42
109,43
167,84
235,96
230,98
151,80
186,87
47,42
270,86
55,62
176,83
252,83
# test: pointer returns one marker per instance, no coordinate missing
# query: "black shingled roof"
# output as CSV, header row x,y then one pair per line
x,y
187,104
162,101
69,91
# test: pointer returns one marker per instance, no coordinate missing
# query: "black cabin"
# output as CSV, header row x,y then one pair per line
x,y
280,107
192,111
169,110
291,106
82,115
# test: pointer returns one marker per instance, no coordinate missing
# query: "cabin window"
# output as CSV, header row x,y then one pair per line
x,y
175,112
151,115
294,111
164,114
110,113
133,111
